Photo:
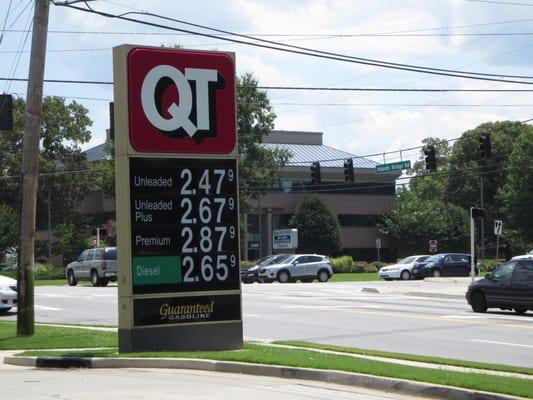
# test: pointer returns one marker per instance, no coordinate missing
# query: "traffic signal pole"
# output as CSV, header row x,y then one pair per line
x,y
30,164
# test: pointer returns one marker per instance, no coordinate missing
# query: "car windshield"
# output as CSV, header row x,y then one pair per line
x,y
278,259
111,254
266,260
407,260
289,259
423,258
435,258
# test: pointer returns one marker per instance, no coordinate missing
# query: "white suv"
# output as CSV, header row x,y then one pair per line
x,y
303,267
98,265
8,293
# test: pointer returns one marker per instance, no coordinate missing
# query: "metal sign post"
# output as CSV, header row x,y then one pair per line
x,y
498,228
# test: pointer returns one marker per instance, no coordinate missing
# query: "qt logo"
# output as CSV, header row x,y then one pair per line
x,y
182,104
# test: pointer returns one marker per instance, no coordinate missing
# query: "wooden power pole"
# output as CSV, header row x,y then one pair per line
x,y
30,164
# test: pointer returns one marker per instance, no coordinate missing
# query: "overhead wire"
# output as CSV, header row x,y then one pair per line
x,y
309,52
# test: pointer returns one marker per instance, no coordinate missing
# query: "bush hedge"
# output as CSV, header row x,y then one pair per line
x,y
41,272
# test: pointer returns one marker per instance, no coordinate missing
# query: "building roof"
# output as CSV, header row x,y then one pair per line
x,y
305,154
95,153
304,146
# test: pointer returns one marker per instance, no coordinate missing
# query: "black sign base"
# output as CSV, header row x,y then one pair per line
x,y
222,336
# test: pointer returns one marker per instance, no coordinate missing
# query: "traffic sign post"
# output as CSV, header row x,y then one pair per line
x,y
433,246
498,229
177,198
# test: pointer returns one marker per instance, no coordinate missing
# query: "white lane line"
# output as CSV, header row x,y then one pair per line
x,y
464,317
48,308
502,343
252,315
325,307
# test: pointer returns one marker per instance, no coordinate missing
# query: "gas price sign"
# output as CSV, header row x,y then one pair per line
x,y
184,235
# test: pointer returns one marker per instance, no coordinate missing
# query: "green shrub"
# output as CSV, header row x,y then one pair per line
x,y
341,264
41,272
488,264
361,266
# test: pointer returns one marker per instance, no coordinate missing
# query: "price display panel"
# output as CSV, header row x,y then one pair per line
x,y
184,225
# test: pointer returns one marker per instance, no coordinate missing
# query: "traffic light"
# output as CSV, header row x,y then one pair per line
x,y
348,170
316,178
477,212
485,146
431,158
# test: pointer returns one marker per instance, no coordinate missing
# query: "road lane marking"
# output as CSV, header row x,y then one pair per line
x,y
502,343
395,314
322,307
48,308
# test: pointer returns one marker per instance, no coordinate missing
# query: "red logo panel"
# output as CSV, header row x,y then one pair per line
x,y
181,101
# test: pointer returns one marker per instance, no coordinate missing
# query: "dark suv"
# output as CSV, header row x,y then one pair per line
x,y
510,287
446,264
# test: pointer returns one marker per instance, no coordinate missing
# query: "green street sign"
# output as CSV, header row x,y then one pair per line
x,y
396,166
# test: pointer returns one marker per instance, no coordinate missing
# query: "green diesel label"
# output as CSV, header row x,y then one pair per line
x,y
156,270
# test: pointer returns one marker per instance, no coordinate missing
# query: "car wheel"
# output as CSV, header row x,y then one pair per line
x,y
284,277
436,273
71,279
520,310
323,275
95,279
104,282
4,310
405,275
478,302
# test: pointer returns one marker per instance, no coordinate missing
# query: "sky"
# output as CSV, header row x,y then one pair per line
x,y
493,37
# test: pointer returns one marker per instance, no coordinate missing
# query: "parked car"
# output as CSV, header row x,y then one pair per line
x,y
99,265
401,270
8,293
447,264
509,287
250,275
303,267
3,266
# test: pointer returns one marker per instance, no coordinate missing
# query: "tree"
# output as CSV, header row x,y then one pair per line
x,y
258,166
318,226
71,240
9,229
415,220
64,128
516,195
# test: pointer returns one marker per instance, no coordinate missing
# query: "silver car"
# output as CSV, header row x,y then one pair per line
x,y
303,267
99,265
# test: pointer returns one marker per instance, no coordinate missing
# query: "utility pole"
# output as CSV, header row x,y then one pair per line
x,y
30,164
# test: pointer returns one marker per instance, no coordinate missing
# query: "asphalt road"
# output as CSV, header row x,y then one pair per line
x,y
338,313
163,384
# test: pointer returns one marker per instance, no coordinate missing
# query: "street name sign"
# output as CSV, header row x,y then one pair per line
x,y
390,167
177,200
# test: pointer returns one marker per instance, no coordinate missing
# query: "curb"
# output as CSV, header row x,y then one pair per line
x,y
275,371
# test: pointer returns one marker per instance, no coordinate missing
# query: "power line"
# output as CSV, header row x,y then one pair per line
x,y
306,88
507,3
309,52
5,21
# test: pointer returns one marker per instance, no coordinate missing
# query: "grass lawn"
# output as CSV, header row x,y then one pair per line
x,y
51,337
309,359
412,357
47,337
50,282
355,277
